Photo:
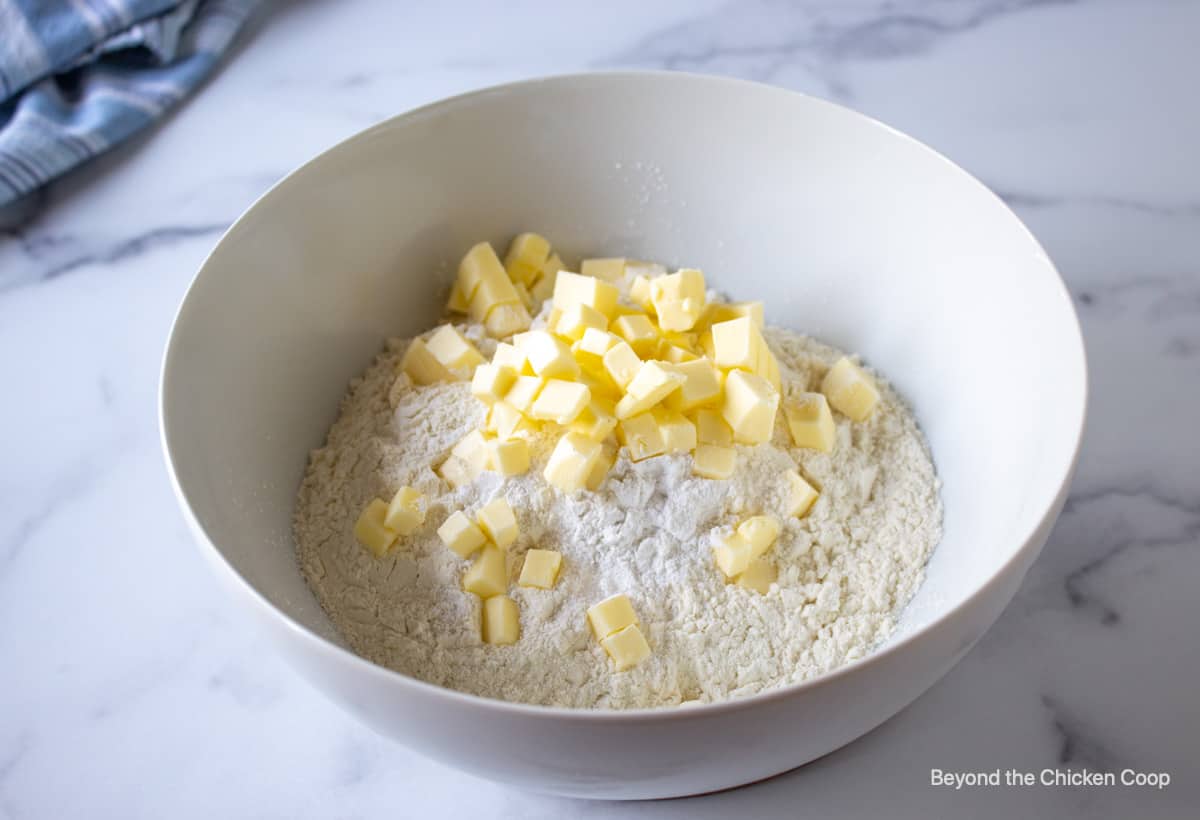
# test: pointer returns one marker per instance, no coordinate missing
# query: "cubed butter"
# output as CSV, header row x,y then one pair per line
x,y
573,288
642,435
714,461
621,363
510,356
540,569
610,270
597,420
674,354
810,421
523,293
758,576
501,621
472,450
571,461
550,357
507,422
600,467
750,406
652,383
527,253
611,615
679,299
461,534
576,320
487,575
491,382
626,647
523,392
456,472
850,390
800,495
760,532
736,344
480,264
638,331
404,513
452,349
560,401
508,457
370,529
490,293
711,427
640,293
678,432
701,385
498,523
732,554
457,302
422,366
505,320
724,311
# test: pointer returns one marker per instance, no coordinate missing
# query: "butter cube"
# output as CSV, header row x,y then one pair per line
x,y
724,311
571,462
543,288
508,457
456,472
652,383
370,529
801,495
597,419
678,432
452,349
526,255
510,356
679,299
491,382
490,293
760,532
560,401
610,270
540,569
550,357
711,428
642,435
600,467
523,392
523,293
461,535
422,366
498,523
736,344
472,451
758,576
640,293
850,390
701,385
480,264
810,421
621,363
457,303
596,342
733,555
501,621
674,354
714,461
505,320
507,422
611,615
750,407
638,331
404,513
573,288
487,576
768,367
627,647
577,320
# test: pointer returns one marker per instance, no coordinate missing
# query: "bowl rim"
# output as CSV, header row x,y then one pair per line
x,y
346,656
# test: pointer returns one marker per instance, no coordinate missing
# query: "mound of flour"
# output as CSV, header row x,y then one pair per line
x,y
845,571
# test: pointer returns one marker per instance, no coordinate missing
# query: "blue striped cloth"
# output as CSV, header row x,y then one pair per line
x,y
79,76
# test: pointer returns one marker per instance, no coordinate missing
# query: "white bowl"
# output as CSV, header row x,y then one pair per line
x,y
847,229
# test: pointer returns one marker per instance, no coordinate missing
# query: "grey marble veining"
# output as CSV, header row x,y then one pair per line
x,y
128,689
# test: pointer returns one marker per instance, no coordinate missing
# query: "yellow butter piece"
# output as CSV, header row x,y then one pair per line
x,y
456,472
549,356
638,331
610,270
758,576
760,532
732,554
505,320
724,311
571,461
507,422
768,366
810,421
501,621
508,457
525,296
573,288
487,575
422,366
600,467
560,401
577,320
597,420
527,253
589,353
674,354
611,615
491,382
711,427
540,569
480,264
543,288
701,385
749,407
800,495
621,363
498,523
461,534
640,293
652,383
643,436
510,356
679,299
404,513
627,648
736,344
491,292
714,461
457,302
370,529
452,349
850,390
472,451
524,392
678,432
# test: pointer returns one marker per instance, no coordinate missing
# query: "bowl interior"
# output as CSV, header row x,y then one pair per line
x,y
847,230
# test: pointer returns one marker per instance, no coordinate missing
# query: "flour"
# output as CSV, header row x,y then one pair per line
x,y
845,571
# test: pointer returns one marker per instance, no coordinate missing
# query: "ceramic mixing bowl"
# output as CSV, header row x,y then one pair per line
x,y
845,228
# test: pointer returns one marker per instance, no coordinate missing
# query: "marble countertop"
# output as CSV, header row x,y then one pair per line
x,y
128,689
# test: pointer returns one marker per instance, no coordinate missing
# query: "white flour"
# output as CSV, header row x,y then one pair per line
x,y
845,571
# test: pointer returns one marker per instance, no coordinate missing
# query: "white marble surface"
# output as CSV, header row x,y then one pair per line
x,y
127,689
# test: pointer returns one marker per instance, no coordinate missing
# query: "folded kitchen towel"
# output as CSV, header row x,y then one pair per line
x,y
79,76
